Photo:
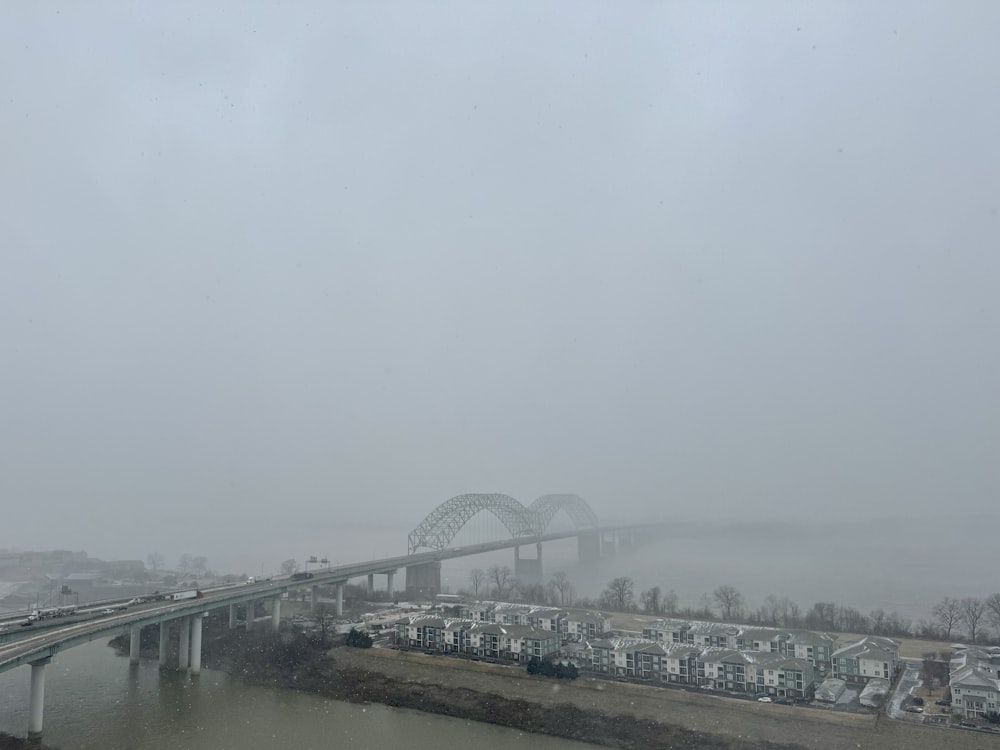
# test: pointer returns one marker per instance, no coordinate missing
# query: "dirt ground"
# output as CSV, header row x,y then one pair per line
x,y
811,728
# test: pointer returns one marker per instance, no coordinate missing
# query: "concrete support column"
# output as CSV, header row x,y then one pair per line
x,y
37,706
275,613
195,666
184,651
340,599
392,590
164,642
538,549
315,599
232,616
251,606
371,583
134,643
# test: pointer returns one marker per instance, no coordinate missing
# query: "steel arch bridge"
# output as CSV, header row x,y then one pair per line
x,y
444,522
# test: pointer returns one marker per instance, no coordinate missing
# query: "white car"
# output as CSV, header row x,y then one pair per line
x,y
765,699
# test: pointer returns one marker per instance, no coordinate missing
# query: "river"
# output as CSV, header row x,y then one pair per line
x,y
95,701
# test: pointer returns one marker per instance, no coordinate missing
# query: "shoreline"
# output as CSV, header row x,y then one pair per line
x,y
599,712
361,676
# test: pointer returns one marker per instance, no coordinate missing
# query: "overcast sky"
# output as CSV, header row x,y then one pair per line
x,y
273,271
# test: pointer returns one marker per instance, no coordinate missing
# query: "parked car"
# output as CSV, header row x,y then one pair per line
x,y
765,699
914,709
967,725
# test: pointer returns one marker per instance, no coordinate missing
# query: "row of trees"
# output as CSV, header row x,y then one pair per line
x,y
728,604
970,613
498,581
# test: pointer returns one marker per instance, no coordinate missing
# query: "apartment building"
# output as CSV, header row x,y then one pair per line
x,y
491,640
508,613
512,642
581,625
712,668
870,657
975,681
816,648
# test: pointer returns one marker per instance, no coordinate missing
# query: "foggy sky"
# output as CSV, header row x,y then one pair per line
x,y
274,272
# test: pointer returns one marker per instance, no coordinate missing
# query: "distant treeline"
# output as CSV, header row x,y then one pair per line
x,y
968,618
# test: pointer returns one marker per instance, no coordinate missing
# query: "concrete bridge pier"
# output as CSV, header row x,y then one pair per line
x,y
275,613
195,660
134,643
184,649
588,546
371,583
340,599
164,642
392,589
232,616
36,710
314,600
527,570
423,580
609,544
251,607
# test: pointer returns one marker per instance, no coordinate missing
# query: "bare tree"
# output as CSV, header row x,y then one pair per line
x,y
729,600
477,577
947,612
155,560
973,610
289,566
791,615
533,593
619,594
561,585
770,610
670,602
992,603
500,575
651,600
325,617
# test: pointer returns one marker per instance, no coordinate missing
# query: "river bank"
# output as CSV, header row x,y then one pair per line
x,y
10,742
600,712
361,676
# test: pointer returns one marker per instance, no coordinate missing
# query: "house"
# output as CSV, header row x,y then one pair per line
x,y
870,657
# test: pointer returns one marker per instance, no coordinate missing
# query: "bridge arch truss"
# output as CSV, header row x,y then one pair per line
x,y
443,523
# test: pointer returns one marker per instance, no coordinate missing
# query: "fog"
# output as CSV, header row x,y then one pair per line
x,y
277,280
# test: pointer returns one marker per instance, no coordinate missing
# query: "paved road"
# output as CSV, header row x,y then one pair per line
x,y
909,680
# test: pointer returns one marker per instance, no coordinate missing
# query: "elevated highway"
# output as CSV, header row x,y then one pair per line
x,y
528,525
